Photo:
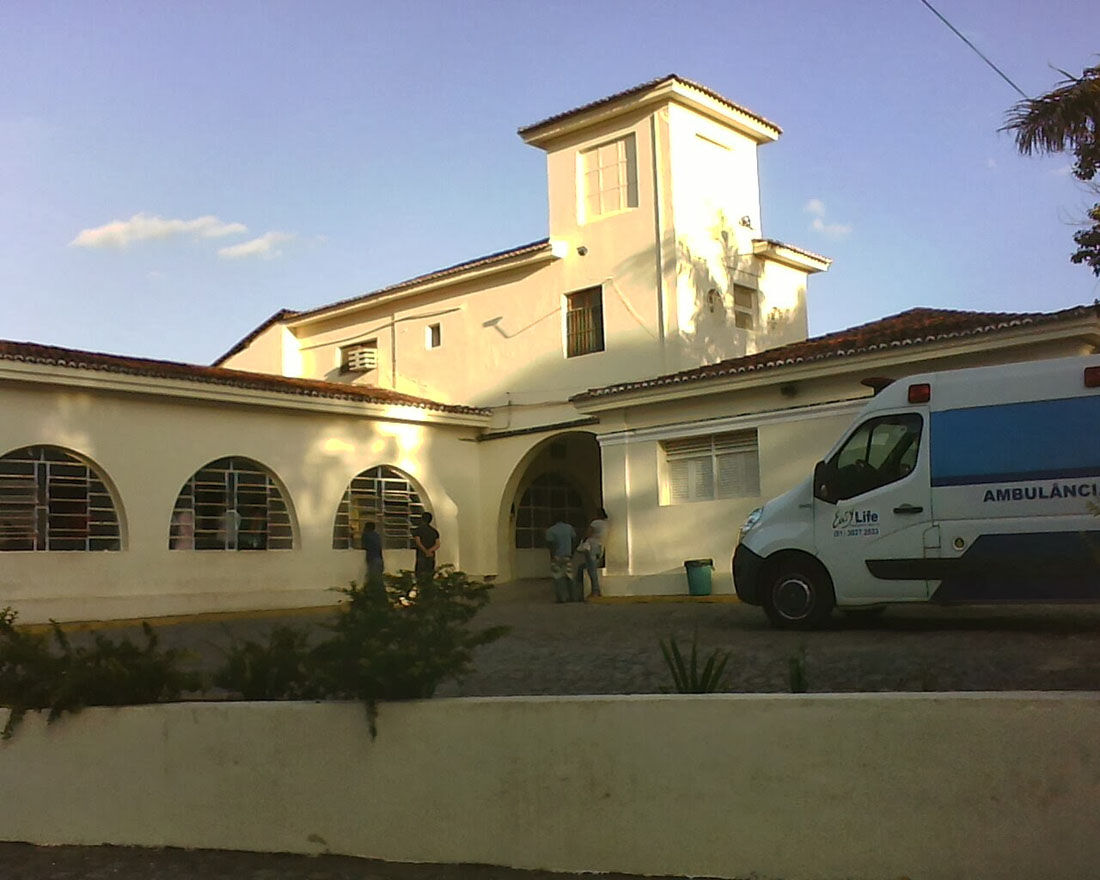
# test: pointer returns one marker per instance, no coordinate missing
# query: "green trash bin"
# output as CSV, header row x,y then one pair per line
x,y
698,573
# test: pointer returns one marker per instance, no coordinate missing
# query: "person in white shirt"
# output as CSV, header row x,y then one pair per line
x,y
592,550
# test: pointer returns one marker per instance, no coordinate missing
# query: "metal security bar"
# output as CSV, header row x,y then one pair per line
x,y
51,500
383,496
584,322
231,504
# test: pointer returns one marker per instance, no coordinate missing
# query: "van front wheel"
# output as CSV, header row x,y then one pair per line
x,y
798,594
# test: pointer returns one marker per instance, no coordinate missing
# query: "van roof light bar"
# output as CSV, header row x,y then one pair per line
x,y
920,393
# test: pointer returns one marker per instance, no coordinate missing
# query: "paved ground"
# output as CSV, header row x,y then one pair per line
x,y
612,648
606,648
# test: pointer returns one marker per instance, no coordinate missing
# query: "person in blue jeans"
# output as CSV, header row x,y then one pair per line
x,y
592,553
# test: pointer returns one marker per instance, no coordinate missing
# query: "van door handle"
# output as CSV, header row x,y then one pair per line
x,y
908,508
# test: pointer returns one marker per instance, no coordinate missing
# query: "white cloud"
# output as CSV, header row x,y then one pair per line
x,y
266,246
834,231
120,234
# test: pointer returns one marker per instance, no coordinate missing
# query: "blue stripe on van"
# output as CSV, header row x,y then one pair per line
x,y
1045,439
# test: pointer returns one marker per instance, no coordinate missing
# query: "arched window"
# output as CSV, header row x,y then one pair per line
x,y
549,498
231,504
52,500
386,497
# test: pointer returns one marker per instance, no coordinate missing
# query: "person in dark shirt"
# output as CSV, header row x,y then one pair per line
x,y
426,541
372,547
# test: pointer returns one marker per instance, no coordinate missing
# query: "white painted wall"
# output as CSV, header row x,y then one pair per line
x,y
147,446
935,786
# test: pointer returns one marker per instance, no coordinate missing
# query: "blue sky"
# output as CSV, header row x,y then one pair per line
x,y
286,154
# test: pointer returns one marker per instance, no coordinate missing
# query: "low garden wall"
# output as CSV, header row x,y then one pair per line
x,y
819,786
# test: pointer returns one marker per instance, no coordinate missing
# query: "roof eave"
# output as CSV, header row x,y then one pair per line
x,y
1085,329
788,255
547,253
669,90
33,373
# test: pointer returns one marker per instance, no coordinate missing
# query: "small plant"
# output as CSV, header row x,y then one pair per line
x,y
63,678
403,643
282,669
687,678
399,643
796,668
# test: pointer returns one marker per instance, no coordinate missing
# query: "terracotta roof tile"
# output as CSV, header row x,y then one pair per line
x,y
646,86
456,269
30,352
913,327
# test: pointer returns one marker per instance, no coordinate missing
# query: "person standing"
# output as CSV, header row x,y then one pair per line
x,y
426,541
561,537
592,548
372,547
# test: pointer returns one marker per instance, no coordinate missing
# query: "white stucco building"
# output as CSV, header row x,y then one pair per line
x,y
650,355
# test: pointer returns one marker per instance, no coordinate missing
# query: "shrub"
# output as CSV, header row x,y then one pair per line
x,y
282,669
399,643
687,678
68,678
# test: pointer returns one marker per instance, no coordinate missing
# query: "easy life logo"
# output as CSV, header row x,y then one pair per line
x,y
842,519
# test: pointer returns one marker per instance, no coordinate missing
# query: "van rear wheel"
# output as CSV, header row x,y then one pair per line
x,y
798,594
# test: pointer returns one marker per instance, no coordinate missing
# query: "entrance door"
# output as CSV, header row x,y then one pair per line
x,y
873,504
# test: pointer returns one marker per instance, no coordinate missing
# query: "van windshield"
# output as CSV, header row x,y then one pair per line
x,y
881,451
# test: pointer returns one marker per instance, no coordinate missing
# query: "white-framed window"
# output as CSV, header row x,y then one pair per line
x,y
433,336
584,322
384,496
712,466
231,504
744,307
609,178
362,357
51,500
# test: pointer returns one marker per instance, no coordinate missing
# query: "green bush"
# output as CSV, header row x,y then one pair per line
x,y
399,643
282,669
62,678
688,678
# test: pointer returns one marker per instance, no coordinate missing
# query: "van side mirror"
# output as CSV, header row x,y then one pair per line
x,y
822,478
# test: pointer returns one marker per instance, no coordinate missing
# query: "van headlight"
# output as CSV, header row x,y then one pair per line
x,y
753,519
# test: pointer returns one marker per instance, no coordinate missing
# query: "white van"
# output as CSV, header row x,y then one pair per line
x,y
978,485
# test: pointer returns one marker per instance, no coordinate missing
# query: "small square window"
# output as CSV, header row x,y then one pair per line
x,y
608,178
359,358
744,307
433,336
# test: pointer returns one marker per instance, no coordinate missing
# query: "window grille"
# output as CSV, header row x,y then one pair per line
x,y
550,497
609,177
51,500
231,504
713,466
386,497
359,358
584,322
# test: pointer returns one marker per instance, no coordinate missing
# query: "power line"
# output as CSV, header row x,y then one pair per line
x,y
1000,72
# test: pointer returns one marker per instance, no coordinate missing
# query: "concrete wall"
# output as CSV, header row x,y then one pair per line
x,y
856,786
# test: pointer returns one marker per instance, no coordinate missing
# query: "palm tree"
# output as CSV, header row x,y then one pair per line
x,y
1066,118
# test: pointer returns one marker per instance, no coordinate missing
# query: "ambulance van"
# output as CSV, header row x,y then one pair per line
x,y
968,486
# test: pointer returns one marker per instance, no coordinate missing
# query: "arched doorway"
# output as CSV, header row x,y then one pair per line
x,y
559,478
